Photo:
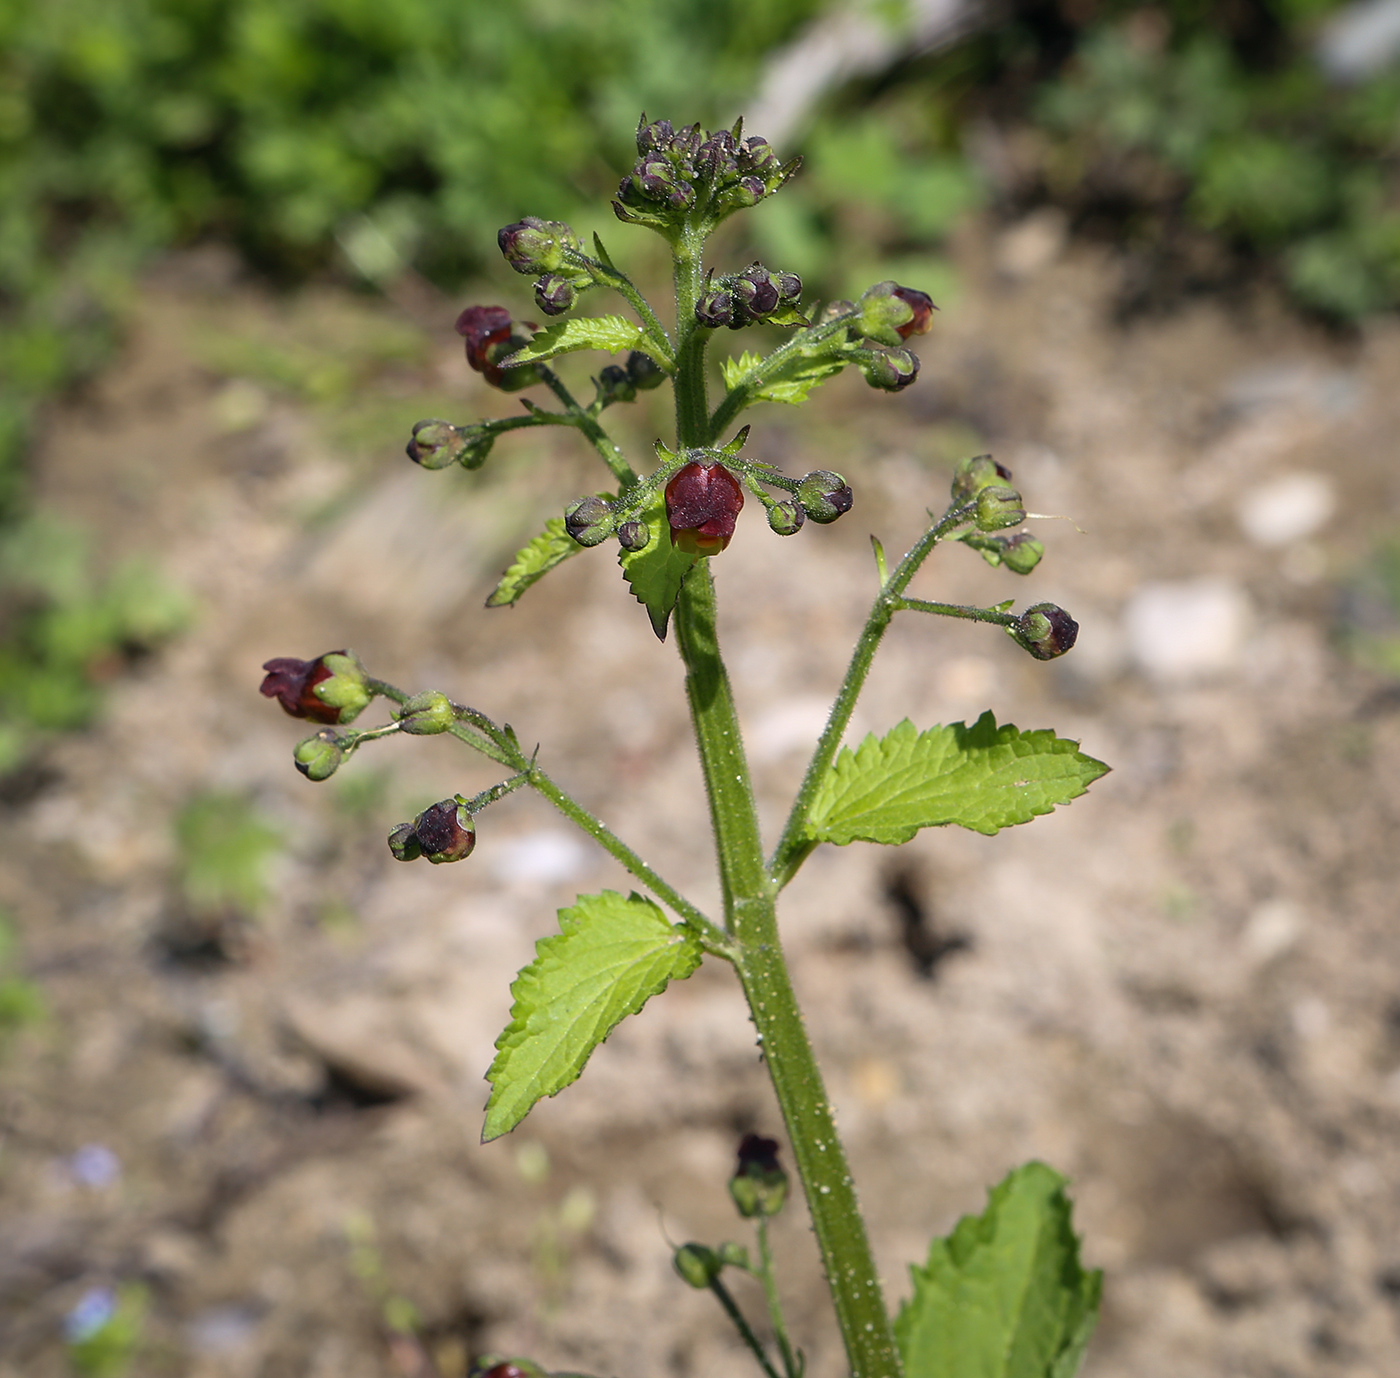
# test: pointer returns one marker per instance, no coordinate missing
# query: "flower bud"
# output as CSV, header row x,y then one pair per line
x,y
1045,630
972,475
698,1264
615,385
824,496
759,1185
537,246
634,536
890,371
445,831
590,521
786,518
702,504
715,308
319,757
491,336
1021,553
755,294
403,842
998,507
493,1366
329,689
733,1255
426,714
554,294
890,314
644,371
436,444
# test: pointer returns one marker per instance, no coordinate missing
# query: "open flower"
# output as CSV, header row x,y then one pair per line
x,y
491,335
329,689
702,502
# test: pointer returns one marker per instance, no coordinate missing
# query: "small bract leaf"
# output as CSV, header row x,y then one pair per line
x,y
789,383
1004,1295
615,334
612,954
532,562
656,573
982,777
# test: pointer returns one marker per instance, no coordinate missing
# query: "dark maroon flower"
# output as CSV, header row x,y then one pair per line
x,y
291,683
491,335
1046,631
702,502
331,688
921,304
759,1185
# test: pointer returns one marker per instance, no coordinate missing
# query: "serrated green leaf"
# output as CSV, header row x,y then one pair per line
x,y
611,955
1004,1295
532,562
655,574
791,383
982,777
611,333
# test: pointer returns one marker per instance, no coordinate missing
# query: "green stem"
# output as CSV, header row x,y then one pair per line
x,y
605,275
731,1310
692,406
1000,619
600,440
769,1279
711,935
794,846
751,919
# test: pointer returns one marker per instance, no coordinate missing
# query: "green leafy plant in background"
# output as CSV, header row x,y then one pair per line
x,y
21,1000
66,630
105,1330
226,846
1004,1295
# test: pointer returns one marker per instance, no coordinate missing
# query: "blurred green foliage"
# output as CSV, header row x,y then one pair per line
x,y
226,848
1221,116
66,629
107,1346
21,1001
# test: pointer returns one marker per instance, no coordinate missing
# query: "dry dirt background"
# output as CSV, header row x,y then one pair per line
x,y
1183,991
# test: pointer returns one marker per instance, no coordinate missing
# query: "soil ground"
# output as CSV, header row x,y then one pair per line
x,y
1183,991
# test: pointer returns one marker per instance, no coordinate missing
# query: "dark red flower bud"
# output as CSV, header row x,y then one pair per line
x,y
755,293
445,831
921,304
634,536
702,503
715,308
337,674
1046,631
615,384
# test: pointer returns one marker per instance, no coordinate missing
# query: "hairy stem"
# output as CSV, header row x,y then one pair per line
x,y
769,1280
751,916
794,846
595,435
731,1309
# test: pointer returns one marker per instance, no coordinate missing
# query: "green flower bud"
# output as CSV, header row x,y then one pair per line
x,y
824,496
403,842
1022,553
1045,630
426,714
733,1255
888,370
634,536
554,294
972,475
890,314
319,757
786,518
536,246
436,444
998,507
759,1185
590,521
698,1264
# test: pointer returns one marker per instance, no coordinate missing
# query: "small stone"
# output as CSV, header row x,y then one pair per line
x,y
1286,509
1187,629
